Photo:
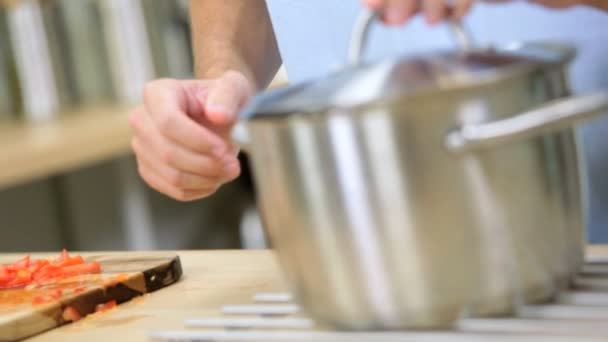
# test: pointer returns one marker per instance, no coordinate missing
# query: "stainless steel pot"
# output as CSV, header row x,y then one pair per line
x,y
410,191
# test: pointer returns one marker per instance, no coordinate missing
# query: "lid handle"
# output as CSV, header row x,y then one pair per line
x,y
360,32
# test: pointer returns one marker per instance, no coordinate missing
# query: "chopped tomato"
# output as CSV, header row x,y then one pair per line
x,y
47,271
77,260
79,289
39,300
25,271
37,265
20,264
44,299
64,255
23,276
4,275
105,306
19,278
92,267
70,314
66,260
56,293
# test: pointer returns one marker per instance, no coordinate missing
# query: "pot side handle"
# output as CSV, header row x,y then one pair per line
x,y
553,116
362,26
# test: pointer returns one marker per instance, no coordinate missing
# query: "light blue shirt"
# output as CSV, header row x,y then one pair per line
x,y
313,37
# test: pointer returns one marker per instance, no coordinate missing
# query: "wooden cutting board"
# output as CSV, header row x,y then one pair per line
x,y
122,278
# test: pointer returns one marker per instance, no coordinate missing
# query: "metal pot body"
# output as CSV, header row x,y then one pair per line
x,y
377,225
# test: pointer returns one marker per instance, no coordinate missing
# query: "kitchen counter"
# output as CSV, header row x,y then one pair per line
x,y
211,279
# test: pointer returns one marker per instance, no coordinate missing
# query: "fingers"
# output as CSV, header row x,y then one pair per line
x,y
162,186
434,10
461,8
175,155
177,183
374,4
166,104
173,169
174,177
396,12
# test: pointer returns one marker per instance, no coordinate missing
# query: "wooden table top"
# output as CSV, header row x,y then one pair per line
x,y
211,279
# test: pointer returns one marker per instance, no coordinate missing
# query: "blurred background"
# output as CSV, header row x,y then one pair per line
x,y
70,71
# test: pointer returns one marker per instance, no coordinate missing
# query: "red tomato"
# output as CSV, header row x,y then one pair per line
x,y
77,260
92,267
21,278
5,277
79,289
45,299
64,255
19,264
56,293
37,265
47,271
25,271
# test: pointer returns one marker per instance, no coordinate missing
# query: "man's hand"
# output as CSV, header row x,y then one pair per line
x,y
181,134
397,12
182,130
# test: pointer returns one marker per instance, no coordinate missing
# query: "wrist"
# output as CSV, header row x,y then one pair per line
x,y
221,69
223,60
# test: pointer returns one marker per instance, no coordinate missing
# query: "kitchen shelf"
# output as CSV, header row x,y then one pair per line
x,y
75,139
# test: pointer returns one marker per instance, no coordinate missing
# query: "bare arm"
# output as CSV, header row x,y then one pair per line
x,y
234,35
182,129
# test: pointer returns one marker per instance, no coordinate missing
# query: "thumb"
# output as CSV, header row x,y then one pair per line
x,y
373,4
225,97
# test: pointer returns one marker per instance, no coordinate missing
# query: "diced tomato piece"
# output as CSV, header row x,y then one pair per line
x,y
5,276
37,265
19,264
25,271
24,275
56,293
70,314
92,267
71,261
64,255
22,278
105,306
47,271
79,289
61,258
44,299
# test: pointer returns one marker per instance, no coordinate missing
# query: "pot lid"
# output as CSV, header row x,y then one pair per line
x,y
361,83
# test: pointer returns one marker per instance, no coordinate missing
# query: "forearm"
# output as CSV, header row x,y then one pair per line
x,y
234,35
